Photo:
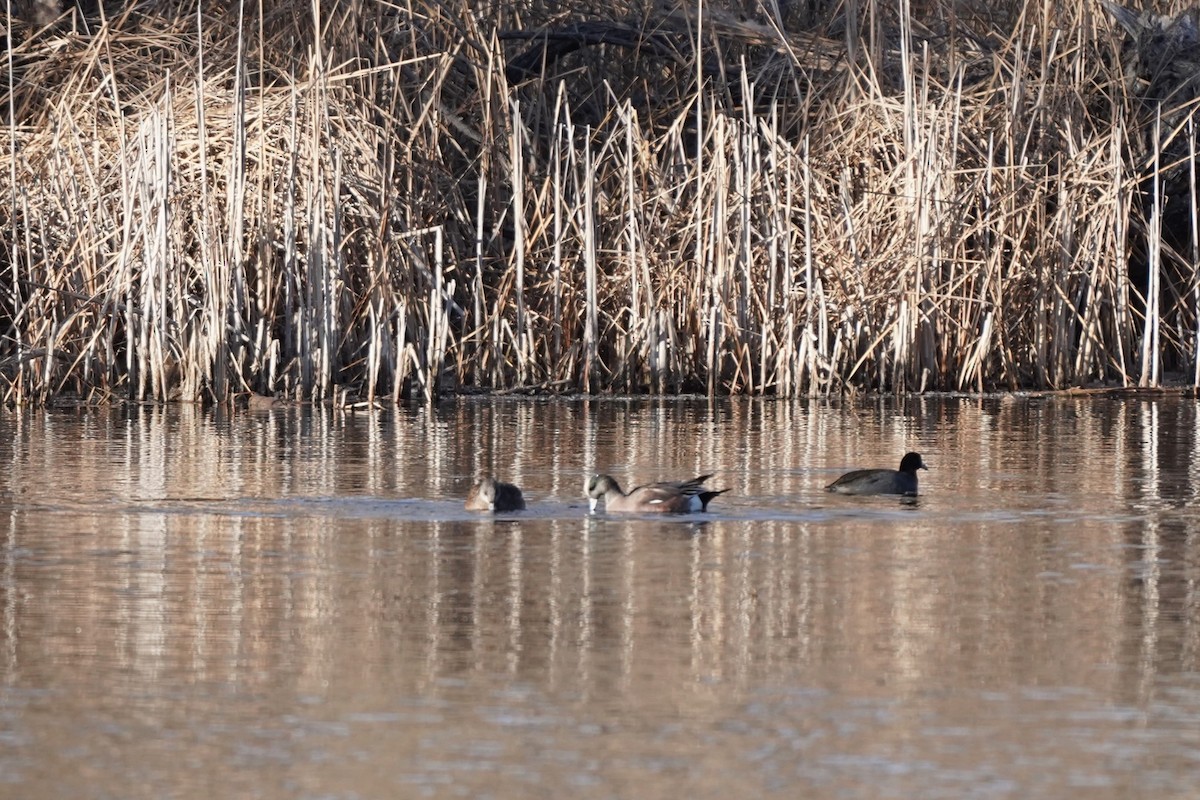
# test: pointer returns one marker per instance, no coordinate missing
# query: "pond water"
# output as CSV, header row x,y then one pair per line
x,y
294,604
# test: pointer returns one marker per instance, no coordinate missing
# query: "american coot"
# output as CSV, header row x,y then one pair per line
x,y
667,497
882,481
493,495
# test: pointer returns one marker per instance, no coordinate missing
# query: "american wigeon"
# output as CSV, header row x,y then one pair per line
x,y
882,481
668,497
490,494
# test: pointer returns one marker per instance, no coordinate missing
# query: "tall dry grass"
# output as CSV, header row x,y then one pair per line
x,y
372,201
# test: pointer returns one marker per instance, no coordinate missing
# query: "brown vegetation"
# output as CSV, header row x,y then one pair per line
x,y
379,200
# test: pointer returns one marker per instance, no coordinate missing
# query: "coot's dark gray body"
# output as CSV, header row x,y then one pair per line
x,y
882,481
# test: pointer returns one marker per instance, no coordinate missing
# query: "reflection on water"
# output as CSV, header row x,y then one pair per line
x,y
295,604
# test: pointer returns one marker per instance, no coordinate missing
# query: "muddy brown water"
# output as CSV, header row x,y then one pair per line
x,y
294,604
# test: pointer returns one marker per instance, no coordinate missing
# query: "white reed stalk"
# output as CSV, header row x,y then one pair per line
x,y
561,139
776,230
439,318
293,336
517,167
230,289
206,266
810,367
402,348
1121,317
154,184
1194,218
747,142
374,348
336,275
477,289
1150,331
638,338
591,324
18,254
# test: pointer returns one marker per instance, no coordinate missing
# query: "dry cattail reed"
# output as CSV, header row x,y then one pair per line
x,y
377,201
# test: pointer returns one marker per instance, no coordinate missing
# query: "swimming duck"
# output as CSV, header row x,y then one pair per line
x,y
882,481
666,497
490,494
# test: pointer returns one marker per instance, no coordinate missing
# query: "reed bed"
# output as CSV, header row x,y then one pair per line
x,y
372,202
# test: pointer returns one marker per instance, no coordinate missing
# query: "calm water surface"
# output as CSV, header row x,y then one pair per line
x,y
293,604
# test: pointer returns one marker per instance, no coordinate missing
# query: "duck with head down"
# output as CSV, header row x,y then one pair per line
x,y
490,494
666,497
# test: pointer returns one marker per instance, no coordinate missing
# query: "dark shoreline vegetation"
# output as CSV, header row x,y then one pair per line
x,y
375,202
